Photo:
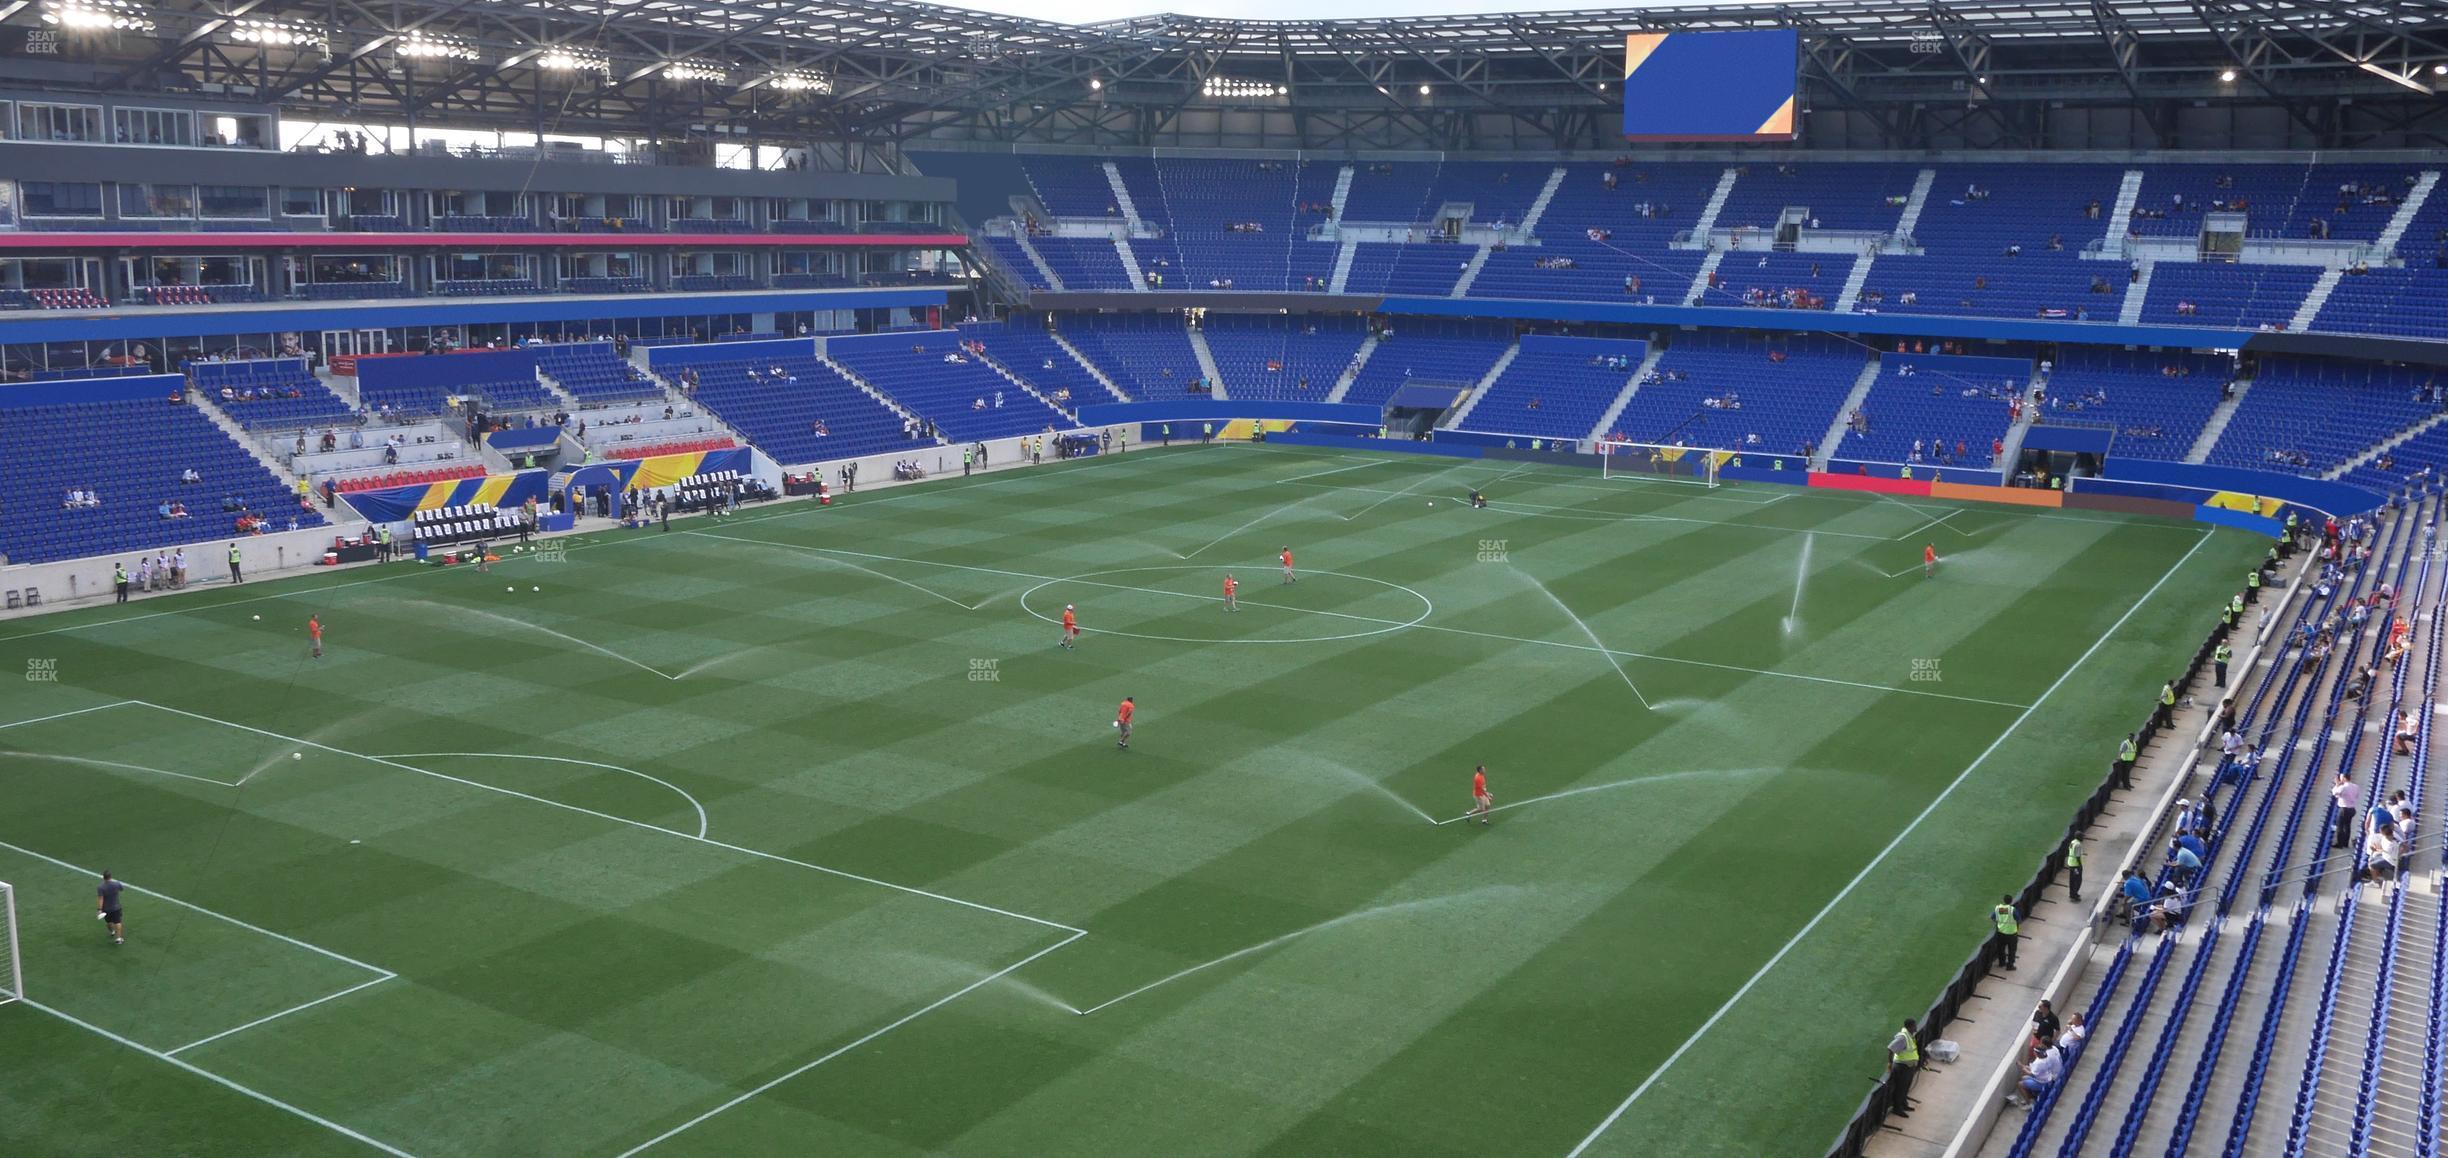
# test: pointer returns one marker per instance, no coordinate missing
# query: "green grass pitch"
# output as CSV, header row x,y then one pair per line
x,y
795,832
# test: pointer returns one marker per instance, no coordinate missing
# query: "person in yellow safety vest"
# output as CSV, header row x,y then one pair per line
x,y
2218,661
2004,915
1776,464
2235,606
1907,472
2167,705
2057,482
2073,867
1903,1061
2127,753
2252,578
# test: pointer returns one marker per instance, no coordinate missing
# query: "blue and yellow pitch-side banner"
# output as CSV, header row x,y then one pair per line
x,y
1711,86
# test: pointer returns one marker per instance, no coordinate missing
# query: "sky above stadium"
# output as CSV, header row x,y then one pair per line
x,y
1093,11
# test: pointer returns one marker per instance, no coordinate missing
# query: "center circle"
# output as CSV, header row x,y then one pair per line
x,y
1103,581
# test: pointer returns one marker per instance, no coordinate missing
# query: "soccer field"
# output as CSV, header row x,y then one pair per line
x,y
795,832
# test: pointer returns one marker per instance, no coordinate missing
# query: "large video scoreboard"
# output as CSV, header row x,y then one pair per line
x,y
1711,86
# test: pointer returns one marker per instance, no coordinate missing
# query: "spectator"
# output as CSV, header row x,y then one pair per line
x,y
2039,1076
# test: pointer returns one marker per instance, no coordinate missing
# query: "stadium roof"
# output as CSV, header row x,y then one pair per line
x,y
887,70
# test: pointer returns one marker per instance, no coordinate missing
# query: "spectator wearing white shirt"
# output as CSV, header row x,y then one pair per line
x,y
2039,1075
2345,795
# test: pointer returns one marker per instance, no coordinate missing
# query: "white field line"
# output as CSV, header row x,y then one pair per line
x,y
1940,521
1392,495
218,1080
225,918
1540,510
90,762
871,1035
1262,517
277,1016
1338,470
621,820
683,793
890,579
61,715
1661,778
1404,623
1618,1112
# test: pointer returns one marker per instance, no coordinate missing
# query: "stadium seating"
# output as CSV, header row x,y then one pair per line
x,y
340,291
1423,269
1084,263
607,285
285,394
2278,200
1778,280
1629,258
2308,416
1149,357
132,454
2411,301
1291,359
591,372
487,287
2245,297
1781,404
1007,254
1937,401
1556,387
779,417
2157,414
50,299
1430,351
1966,238
701,283
930,375
681,446
1025,347
422,476
1070,186
1838,195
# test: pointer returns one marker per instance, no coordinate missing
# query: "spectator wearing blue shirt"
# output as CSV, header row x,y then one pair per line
x,y
2191,840
2184,864
2136,893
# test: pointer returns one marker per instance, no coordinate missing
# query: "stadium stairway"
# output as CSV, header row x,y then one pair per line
x,y
1093,370
2017,429
1207,364
1130,261
2137,291
2315,298
255,446
1538,205
1632,385
1697,292
2384,446
2216,425
1026,387
1122,196
2120,215
1698,238
1470,272
1852,401
1342,267
1858,276
2403,219
1454,417
868,388
1911,219
1028,249
1351,373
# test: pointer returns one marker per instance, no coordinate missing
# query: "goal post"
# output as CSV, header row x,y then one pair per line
x,y
1692,465
12,971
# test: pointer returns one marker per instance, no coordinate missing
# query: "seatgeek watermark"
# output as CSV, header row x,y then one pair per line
x,y
42,671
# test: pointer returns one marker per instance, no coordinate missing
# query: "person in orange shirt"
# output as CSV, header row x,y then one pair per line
x,y
314,632
1929,559
1287,562
1232,600
1122,722
1481,802
1070,626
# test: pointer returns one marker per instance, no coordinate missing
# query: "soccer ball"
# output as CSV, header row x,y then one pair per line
x,y
259,619
535,589
297,755
509,588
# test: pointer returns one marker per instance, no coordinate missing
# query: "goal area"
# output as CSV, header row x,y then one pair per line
x,y
12,971
1693,465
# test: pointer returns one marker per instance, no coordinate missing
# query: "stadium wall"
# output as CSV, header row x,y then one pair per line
x,y
155,322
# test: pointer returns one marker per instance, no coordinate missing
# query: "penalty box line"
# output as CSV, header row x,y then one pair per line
x,y
624,821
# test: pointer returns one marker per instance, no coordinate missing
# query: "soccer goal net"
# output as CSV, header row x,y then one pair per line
x,y
12,974
1683,464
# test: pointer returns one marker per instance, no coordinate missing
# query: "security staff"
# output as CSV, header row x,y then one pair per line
x,y
119,581
2073,867
2218,660
967,454
2122,770
1903,1061
2004,915
235,577
2167,705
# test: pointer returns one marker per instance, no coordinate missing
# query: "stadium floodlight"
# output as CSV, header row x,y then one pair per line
x,y
685,70
573,60
1235,89
278,34
98,16
2227,76
1096,84
433,46
799,80
1423,90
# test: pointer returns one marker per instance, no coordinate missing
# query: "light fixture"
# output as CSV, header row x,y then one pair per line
x,y
1423,90
1095,84
796,80
1234,88
98,16
687,70
2227,76
2439,70
433,46
278,34
572,60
